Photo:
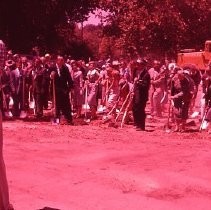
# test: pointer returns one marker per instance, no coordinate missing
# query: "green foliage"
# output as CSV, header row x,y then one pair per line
x,y
135,26
162,26
92,37
26,23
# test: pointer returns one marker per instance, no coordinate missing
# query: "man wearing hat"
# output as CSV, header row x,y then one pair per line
x,y
182,90
141,92
6,89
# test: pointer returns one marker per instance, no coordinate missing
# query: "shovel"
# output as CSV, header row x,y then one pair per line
x,y
167,126
204,124
23,113
54,120
86,106
126,110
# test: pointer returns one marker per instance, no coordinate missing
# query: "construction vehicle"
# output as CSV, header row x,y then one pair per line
x,y
200,59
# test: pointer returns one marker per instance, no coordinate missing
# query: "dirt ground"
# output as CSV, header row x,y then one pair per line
x,y
96,167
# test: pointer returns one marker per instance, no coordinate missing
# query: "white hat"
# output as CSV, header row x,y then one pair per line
x,y
171,66
115,63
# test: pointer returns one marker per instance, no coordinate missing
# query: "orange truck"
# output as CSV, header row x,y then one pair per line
x,y
200,59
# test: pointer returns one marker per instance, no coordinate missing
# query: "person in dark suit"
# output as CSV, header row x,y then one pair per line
x,y
141,93
63,84
2,65
16,78
40,86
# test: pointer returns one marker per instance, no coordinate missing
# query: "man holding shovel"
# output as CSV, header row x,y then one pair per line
x,y
62,84
182,90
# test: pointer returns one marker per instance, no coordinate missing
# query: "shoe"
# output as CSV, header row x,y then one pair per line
x,y
6,114
149,117
94,117
87,120
10,207
10,114
78,116
176,129
23,114
39,116
140,129
68,122
182,130
194,114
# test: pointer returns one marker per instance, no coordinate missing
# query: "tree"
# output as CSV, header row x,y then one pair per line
x,y
162,26
92,38
25,23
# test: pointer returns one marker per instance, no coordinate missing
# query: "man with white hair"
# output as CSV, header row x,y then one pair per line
x,y
4,194
182,90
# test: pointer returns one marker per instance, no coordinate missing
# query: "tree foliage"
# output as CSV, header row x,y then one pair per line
x,y
25,23
135,26
162,26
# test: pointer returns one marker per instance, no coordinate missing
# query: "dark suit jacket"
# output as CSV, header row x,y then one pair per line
x,y
41,80
63,82
141,91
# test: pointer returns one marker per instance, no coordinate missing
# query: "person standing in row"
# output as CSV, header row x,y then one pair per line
x,y
63,84
160,91
141,93
153,72
40,86
78,92
93,77
6,89
182,90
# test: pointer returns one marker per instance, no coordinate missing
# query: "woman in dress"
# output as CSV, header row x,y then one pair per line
x,y
93,77
78,92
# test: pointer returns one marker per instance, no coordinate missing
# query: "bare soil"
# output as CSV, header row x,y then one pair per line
x,y
97,167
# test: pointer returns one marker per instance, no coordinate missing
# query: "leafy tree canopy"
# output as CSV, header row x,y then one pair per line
x,y
25,23
165,25
139,26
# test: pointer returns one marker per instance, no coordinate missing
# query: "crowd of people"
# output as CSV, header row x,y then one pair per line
x,y
76,89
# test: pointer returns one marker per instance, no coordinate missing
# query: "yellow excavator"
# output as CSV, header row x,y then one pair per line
x,y
200,59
